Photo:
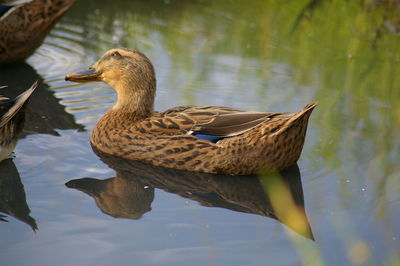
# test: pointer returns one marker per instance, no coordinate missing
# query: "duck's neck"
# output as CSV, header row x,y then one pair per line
x,y
135,100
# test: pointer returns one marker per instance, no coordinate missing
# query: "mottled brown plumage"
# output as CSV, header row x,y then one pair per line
x,y
250,142
25,24
12,118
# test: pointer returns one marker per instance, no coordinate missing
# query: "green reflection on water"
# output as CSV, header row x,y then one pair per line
x,y
343,54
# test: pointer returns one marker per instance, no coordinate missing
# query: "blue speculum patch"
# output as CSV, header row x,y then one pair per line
x,y
214,139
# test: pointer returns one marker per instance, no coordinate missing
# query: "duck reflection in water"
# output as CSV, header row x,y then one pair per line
x,y
131,192
45,115
45,112
12,195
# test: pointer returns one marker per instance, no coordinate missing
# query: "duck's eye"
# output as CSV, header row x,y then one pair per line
x,y
116,54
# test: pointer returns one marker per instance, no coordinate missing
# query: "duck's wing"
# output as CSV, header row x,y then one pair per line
x,y
206,120
226,122
9,108
14,2
7,5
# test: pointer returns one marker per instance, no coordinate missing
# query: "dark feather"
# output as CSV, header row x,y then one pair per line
x,y
232,124
9,108
215,120
4,9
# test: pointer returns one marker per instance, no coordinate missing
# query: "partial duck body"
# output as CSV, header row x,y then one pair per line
x,y
12,119
25,23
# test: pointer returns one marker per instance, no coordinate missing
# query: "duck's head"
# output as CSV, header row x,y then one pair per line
x,y
128,71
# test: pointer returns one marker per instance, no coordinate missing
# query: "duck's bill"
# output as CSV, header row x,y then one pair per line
x,y
84,76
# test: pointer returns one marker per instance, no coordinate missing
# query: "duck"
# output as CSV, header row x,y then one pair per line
x,y
208,139
12,119
25,23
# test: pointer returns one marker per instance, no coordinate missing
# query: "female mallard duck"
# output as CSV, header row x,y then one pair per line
x,y
208,139
25,23
12,118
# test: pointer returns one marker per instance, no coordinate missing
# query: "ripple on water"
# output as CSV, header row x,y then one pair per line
x,y
66,50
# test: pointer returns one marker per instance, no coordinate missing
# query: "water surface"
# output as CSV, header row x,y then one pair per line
x,y
257,55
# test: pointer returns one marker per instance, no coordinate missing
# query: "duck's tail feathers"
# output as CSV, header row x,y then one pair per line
x,y
300,118
18,104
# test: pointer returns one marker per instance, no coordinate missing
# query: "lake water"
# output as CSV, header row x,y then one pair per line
x,y
341,206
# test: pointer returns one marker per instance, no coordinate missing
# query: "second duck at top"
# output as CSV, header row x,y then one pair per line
x,y
208,139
